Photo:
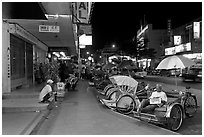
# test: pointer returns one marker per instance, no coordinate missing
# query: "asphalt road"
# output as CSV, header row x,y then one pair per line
x,y
172,81
81,114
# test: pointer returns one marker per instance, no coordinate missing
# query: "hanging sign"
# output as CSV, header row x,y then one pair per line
x,y
86,29
47,28
82,12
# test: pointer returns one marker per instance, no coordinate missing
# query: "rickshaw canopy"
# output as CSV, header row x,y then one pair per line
x,y
121,80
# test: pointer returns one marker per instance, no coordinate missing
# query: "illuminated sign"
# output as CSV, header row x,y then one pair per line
x,y
177,40
47,28
85,40
169,26
183,47
178,49
142,31
82,46
196,30
187,47
170,51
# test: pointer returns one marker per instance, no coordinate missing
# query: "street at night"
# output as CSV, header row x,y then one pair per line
x,y
80,113
102,68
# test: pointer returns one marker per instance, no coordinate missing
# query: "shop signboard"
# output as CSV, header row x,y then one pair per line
x,y
183,47
196,30
86,29
82,46
48,28
85,39
82,12
177,40
170,51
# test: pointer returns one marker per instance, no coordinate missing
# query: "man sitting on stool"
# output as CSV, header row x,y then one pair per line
x,y
157,99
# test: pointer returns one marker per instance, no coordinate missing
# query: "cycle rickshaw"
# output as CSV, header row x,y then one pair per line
x,y
125,98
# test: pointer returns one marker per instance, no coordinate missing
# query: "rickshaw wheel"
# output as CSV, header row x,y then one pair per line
x,y
190,106
107,88
176,118
125,104
114,95
109,91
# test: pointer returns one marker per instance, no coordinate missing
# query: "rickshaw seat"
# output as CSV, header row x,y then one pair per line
x,y
163,108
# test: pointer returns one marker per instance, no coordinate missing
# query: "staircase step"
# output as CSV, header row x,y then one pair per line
x,y
23,105
19,96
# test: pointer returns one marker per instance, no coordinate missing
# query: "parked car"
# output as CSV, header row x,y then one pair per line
x,y
165,72
171,72
176,72
193,73
141,74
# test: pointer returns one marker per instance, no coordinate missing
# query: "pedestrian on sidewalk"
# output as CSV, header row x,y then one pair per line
x,y
46,93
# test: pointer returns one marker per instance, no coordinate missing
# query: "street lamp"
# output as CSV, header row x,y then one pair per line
x,y
113,46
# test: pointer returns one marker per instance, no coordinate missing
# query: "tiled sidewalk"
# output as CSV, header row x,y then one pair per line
x,y
21,111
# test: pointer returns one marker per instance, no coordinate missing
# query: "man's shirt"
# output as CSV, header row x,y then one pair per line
x,y
161,95
47,89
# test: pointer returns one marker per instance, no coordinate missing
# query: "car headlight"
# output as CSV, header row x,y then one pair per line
x,y
199,75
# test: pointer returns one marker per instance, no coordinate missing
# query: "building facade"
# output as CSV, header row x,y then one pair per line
x,y
187,41
20,52
184,40
149,40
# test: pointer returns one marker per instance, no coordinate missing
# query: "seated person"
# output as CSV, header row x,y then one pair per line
x,y
148,105
46,92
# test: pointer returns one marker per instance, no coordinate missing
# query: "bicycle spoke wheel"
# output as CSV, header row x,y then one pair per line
x,y
190,106
125,104
176,118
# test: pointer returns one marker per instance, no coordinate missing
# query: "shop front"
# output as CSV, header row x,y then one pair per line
x,y
144,63
20,57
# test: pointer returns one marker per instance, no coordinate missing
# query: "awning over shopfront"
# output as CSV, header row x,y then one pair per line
x,y
58,14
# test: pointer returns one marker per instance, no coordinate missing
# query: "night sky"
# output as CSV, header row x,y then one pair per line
x,y
118,22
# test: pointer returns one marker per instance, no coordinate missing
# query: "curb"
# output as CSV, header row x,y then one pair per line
x,y
37,121
135,119
23,109
32,129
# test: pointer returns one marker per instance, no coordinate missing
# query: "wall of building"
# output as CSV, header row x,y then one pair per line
x,y
156,40
6,72
14,29
186,32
